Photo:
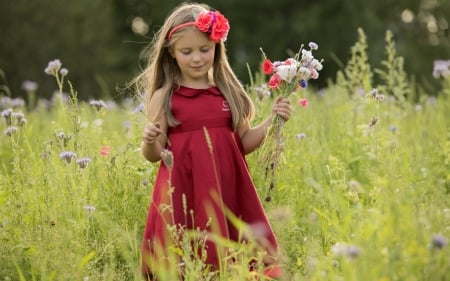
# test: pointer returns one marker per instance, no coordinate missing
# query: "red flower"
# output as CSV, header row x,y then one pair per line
x,y
274,81
303,102
204,21
220,28
267,66
213,23
105,150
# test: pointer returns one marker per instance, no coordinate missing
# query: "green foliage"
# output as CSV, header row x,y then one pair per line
x,y
393,76
356,199
357,74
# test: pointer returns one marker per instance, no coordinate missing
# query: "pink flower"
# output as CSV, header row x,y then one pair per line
x,y
267,66
274,81
303,102
204,21
105,150
213,23
220,28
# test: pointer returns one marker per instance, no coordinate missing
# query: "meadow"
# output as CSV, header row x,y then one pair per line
x,y
362,188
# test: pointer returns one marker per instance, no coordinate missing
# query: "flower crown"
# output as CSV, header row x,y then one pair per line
x,y
212,23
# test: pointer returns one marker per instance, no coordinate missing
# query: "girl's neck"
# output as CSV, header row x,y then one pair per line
x,y
197,84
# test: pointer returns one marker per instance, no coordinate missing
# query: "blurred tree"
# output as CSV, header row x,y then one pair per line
x,y
82,34
99,41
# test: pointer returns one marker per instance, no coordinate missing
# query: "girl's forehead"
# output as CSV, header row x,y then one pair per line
x,y
192,37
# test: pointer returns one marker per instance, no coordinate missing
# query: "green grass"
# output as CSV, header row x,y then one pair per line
x,y
351,201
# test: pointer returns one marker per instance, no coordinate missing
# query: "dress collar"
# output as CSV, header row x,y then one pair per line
x,y
192,92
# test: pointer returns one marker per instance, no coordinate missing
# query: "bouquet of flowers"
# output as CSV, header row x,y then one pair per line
x,y
285,78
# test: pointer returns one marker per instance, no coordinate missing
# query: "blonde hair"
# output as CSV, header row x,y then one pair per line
x,y
162,71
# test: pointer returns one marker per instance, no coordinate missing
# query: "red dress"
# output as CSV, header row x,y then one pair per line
x,y
210,171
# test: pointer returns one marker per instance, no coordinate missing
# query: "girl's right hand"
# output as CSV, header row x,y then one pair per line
x,y
151,132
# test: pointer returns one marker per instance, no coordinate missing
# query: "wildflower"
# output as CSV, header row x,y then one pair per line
x,y
313,46
61,135
373,93
29,86
139,108
127,125
379,97
105,150
67,156
17,102
300,136
7,116
303,102
274,81
393,129
83,162
20,118
53,67
10,131
438,241
262,91
167,157
441,68
303,83
345,250
89,208
287,71
98,104
355,186
267,66
63,71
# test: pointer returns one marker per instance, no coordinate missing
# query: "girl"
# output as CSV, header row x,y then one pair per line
x,y
199,125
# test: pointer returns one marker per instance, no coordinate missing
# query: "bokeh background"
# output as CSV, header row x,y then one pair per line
x,y
100,41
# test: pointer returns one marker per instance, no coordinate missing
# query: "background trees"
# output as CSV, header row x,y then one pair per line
x,y
99,41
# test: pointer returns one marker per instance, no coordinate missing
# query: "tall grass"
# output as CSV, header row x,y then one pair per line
x,y
362,190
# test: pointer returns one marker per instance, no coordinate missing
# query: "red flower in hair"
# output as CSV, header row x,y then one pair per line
x,y
220,28
203,21
214,24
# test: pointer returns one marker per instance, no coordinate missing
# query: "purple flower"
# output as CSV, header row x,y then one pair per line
x,y
83,162
53,67
10,131
438,241
441,68
98,104
63,71
303,83
7,116
300,136
67,156
29,86
139,108
313,46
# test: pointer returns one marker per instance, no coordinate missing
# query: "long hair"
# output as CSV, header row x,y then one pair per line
x,y
162,71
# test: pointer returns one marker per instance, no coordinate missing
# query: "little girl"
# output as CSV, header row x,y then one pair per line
x,y
199,121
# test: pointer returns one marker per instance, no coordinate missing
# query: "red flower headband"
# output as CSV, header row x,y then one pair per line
x,y
212,23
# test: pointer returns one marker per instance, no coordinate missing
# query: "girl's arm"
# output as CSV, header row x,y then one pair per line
x,y
154,135
252,137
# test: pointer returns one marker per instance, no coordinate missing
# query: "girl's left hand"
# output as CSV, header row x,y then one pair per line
x,y
282,107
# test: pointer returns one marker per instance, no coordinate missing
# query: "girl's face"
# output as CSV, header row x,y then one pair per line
x,y
194,54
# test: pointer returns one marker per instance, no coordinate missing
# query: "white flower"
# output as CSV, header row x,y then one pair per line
x,y
307,56
316,64
287,72
53,67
